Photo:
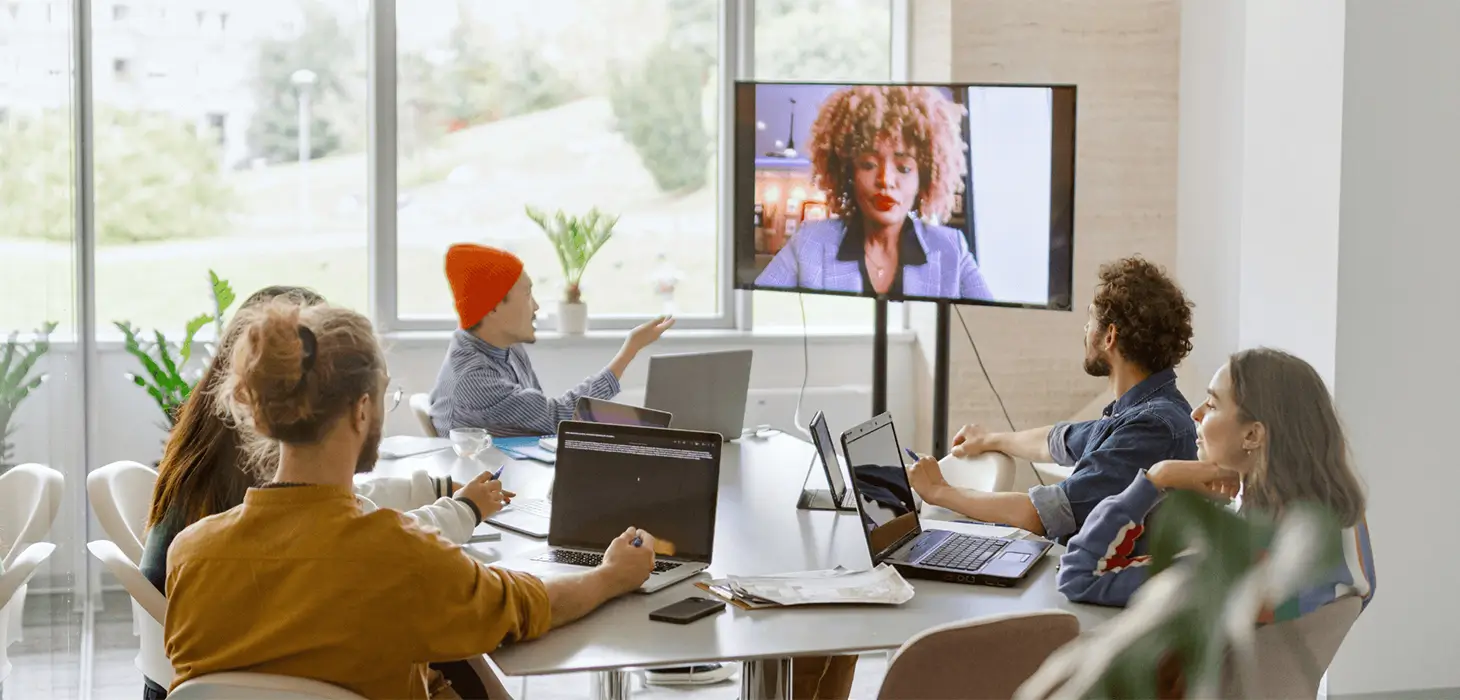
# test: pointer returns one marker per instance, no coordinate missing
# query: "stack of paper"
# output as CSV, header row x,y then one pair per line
x,y
880,586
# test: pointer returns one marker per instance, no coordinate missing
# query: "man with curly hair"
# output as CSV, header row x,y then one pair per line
x,y
891,160
1139,329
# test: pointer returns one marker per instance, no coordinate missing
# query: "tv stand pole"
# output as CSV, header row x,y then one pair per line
x,y
940,370
879,358
940,380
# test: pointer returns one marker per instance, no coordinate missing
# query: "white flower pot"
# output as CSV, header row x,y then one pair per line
x,y
572,318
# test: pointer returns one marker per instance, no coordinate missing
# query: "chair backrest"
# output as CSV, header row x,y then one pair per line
x,y
30,496
131,578
1292,656
991,472
421,406
120,494
11,581
258,686
147,601
987,658
19,573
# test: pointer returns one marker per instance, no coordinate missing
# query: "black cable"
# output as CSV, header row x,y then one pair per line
x,y
978,356
805,367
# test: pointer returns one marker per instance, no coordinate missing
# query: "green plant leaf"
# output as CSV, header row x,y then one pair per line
x,y
170,378
223,298
194,325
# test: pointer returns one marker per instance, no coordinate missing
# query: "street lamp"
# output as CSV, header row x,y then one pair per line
x,y
304,80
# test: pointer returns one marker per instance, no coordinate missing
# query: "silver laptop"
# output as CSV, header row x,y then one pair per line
x,y
703,391
612,477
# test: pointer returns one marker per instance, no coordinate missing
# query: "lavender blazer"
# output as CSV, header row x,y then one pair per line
x,y
810,262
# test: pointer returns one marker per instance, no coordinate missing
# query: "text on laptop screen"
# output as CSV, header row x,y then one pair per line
x,y
821,438
884,497
661,482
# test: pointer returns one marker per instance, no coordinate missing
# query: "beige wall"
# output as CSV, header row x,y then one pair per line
x,y
1124,57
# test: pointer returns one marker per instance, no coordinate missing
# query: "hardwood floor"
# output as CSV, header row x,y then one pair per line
x,y
47,662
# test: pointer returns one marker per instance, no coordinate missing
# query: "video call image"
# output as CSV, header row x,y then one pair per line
x,y
906,191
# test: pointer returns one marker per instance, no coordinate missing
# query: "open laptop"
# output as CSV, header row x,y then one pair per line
x,y
894,533
838,496
704,391
532,516
611,477
591,410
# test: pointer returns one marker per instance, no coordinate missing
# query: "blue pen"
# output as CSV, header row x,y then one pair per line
x,y
638,542
497,475
913,455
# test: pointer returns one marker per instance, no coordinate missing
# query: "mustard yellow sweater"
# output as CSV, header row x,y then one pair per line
x,y
298,581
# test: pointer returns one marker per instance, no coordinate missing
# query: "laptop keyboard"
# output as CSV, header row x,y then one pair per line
x,y
534,506
590,559
965,552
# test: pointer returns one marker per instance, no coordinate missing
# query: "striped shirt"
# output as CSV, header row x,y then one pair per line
x,y
484,386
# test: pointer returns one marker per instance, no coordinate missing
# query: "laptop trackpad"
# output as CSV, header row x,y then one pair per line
x,y
1014,557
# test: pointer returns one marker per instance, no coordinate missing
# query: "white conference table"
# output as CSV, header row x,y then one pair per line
x,y
758,530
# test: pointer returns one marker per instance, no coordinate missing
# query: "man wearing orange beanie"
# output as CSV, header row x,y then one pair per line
x,y
487,380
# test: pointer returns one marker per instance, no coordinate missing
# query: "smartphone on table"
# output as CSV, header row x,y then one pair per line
x,y
687,610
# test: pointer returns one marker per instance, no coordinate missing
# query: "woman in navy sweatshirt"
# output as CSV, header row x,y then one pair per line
x,y
1268,427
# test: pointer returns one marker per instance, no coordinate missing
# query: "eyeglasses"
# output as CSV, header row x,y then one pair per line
x,y
393,399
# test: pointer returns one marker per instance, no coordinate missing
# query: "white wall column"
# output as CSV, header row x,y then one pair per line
x,y
1397,336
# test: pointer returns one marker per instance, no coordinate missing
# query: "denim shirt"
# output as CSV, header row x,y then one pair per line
x,y
1150,423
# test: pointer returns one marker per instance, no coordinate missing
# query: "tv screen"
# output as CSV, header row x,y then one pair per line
x,y
955,192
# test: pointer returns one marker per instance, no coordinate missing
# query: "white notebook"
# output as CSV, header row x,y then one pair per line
x,y
401,446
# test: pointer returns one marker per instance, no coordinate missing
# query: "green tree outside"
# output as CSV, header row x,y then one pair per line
x,y
325,49
156,179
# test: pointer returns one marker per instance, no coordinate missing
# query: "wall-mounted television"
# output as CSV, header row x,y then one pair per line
x,y
909,192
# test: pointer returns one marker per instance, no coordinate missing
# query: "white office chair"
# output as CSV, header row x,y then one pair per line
x,y
120,494
16,575
149,611
991,471
258,686
421,406
30,496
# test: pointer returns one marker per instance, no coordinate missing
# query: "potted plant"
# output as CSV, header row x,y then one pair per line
x,y
1197,616
576,239
17,382
165,373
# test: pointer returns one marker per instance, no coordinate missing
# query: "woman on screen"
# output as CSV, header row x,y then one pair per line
x,y
890,158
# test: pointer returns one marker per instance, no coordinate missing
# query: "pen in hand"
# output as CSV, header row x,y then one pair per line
x,y
910,454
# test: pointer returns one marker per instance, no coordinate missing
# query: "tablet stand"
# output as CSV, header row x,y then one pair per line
x,y
818,499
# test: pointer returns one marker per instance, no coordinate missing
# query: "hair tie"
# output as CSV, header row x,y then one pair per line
x,y
311,346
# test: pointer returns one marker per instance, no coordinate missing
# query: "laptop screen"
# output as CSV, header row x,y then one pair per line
x,y
590,410
884,498
612,477
821,438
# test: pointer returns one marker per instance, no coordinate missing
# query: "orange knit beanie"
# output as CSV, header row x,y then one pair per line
x,y
480,278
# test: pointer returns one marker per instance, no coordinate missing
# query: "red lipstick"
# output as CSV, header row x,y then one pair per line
x,y
883,203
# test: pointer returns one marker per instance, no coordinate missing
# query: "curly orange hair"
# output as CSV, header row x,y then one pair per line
x,y
855,120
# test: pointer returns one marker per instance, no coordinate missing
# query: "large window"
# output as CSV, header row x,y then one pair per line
x,y
820,41
37,154
234,140
562,105
40,380
232,135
